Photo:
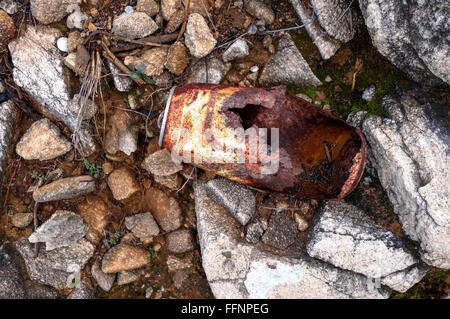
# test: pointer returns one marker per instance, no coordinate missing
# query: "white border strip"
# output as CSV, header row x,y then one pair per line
x,y
166,111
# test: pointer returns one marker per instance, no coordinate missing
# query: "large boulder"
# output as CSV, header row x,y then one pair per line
x,y
410,152
413,35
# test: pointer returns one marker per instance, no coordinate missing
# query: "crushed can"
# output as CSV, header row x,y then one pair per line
x,y
264,138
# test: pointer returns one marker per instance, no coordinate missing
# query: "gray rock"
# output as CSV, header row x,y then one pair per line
x,y
148,6
235,197
238,50
255,230
412,35
369,93
403,280
39,70
12,282
105,281
160,163
7,123
173,182
175,263
326,45
260,10
21,220
287,66
237,269
56,267
180,241
65,188
345,237
208,70
198,38
121,82
85,109
143,226
134,25
49,11
82,292
126,277
42,141
410,152
10,6
339,25
62,229
282,231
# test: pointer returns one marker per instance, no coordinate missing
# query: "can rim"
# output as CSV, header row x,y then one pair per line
x,y
166,111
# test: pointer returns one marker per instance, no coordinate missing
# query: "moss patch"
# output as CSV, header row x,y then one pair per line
x,y
436,284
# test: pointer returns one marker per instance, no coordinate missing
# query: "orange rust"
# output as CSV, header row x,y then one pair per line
x,y
304,170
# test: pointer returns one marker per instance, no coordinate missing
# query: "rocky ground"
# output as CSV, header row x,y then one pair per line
x,y
92,207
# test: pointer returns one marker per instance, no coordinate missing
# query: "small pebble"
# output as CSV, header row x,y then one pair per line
x,y
62,44
129,9
254,69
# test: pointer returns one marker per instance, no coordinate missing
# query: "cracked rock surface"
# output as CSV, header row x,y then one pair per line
x,y
237,269
345,237
410,152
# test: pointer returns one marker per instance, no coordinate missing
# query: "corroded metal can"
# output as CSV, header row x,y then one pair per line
x,y
265,138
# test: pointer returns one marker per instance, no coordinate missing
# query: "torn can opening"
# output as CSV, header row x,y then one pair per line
x,y
265,138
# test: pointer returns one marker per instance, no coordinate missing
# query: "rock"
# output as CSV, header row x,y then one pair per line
x,y
237,269
238,50
7,127
152,59
124,257
160,163
38,70
168,7
74,40
148,6
166,210
148,292
369,93
49,11
332,19
84,108
95,214
43,141
302,223
62,229
121,134
121,82
7,29
198,37
260,11
409,151
175,263
176,20
10,6
413,36
65,188
143,226
82,292
126,277
173,182
235,197
134,25
328,79
177,58
105,281
203,7
122,183
402,280
76,18
326,45
282,231
255,230
287,67
39,291
180,241
208,70
55,267
347,238
21,220
61,44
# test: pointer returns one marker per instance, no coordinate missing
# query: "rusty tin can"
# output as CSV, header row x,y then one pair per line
x,y
265,138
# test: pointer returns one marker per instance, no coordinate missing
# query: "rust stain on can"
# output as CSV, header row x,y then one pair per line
x,y
320,156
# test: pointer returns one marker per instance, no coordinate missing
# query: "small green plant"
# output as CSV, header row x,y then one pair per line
x,y
114,240
39,176
92,168
153,253
139,73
